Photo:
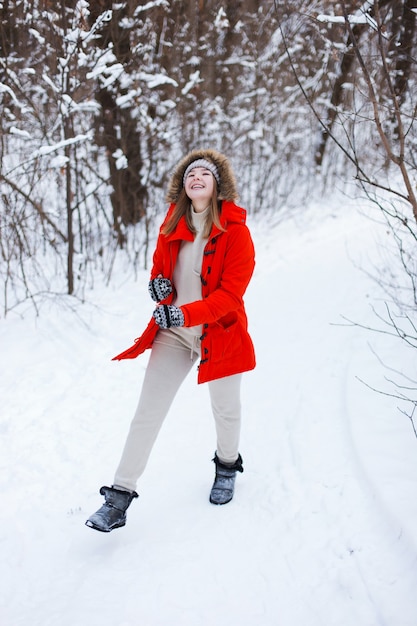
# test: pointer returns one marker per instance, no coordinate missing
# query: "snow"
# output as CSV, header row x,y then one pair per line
x,y
22,133
192,82
44,150
156,80
362,17
339,19
6,89
321,531
121,160
151,5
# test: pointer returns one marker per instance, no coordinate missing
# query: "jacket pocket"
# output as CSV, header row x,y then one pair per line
x,y
226,339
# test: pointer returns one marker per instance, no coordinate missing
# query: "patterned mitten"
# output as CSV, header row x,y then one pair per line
x,y
159,289
168,315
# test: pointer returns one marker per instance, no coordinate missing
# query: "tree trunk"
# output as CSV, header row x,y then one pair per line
x,y
337,92
116,128
404,49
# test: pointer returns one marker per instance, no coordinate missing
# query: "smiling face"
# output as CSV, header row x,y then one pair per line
x,y
199,187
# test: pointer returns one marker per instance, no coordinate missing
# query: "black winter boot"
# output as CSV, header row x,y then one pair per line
x,y
224,482
113,512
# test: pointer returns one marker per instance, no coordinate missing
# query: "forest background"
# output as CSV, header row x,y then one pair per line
x,y
100,99
315,104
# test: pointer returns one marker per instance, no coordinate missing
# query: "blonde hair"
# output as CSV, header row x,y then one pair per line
x,y
183,207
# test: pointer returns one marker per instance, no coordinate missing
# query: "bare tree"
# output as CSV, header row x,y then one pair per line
x,y
99,99
378,62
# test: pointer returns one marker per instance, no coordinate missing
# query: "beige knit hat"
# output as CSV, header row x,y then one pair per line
x,y
226,182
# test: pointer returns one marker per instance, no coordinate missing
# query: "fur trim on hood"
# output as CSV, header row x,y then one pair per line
x,y
227,189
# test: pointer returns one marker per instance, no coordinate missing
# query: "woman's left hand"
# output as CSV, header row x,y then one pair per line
x,y
167,315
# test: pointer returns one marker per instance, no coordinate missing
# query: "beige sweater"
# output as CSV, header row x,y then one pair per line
x,y
187,270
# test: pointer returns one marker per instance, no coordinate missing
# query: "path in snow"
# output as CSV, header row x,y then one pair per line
x,y
320,532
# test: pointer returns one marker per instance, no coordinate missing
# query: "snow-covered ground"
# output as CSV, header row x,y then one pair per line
x,y
322,530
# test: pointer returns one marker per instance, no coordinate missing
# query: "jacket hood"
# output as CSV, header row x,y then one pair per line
x,y
227,189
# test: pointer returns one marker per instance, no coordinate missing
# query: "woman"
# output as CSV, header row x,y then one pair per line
x,y
203,262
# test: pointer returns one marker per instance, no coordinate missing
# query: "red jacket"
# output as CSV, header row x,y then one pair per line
x,y
227,267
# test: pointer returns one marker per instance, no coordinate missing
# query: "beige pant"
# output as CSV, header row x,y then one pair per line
x,y
173,354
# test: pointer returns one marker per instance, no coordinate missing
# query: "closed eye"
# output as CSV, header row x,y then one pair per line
x,y
203,173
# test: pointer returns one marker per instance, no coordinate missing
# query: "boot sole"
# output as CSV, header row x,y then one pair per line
x,y
103,530
220,503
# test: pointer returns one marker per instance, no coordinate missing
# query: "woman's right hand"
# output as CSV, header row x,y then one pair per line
x,y
159,288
